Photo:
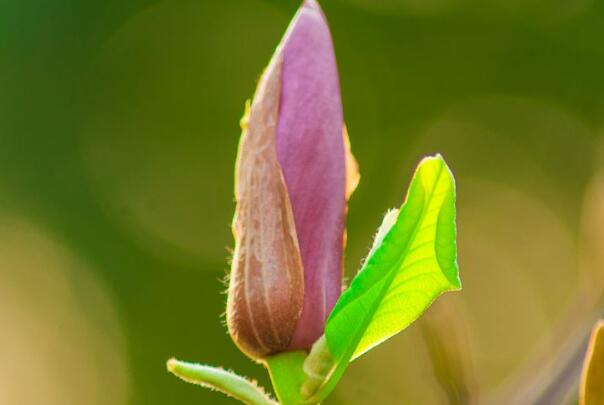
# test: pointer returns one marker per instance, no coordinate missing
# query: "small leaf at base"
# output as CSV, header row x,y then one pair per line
x,y
287,375
221,380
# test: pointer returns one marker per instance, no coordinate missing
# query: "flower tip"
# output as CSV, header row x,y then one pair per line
x,y
312,4
310,10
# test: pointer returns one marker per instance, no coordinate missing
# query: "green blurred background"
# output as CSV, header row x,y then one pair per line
x,y
118,131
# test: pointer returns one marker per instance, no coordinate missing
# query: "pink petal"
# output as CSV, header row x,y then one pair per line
x,y
310,150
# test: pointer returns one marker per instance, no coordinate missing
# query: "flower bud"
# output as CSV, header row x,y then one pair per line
x,y
294,174
266,290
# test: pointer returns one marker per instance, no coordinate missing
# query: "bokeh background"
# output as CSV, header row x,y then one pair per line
x,y
118,131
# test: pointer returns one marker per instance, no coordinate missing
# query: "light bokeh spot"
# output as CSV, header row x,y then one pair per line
x,y
60,338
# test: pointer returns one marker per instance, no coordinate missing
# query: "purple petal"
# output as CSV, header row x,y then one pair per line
x,y
310,150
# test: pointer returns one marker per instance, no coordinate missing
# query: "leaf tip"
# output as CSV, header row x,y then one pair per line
x,y
175,367
457,285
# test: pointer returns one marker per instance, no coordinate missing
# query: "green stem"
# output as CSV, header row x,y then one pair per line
x,y
221,380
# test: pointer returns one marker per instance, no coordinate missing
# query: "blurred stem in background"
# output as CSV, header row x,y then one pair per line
x,y
550,378
445,333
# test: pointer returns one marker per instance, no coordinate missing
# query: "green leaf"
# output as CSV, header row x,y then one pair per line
x,y
287,374
413,261
592,382
297,377
221,380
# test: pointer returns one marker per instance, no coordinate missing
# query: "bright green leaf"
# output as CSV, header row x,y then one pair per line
x,y
413,261
298,376
221,380
592,384
287,375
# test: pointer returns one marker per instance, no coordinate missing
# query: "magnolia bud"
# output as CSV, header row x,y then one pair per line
x,y
293,176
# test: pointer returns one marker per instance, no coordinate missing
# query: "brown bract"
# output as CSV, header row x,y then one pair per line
x,y
266,290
